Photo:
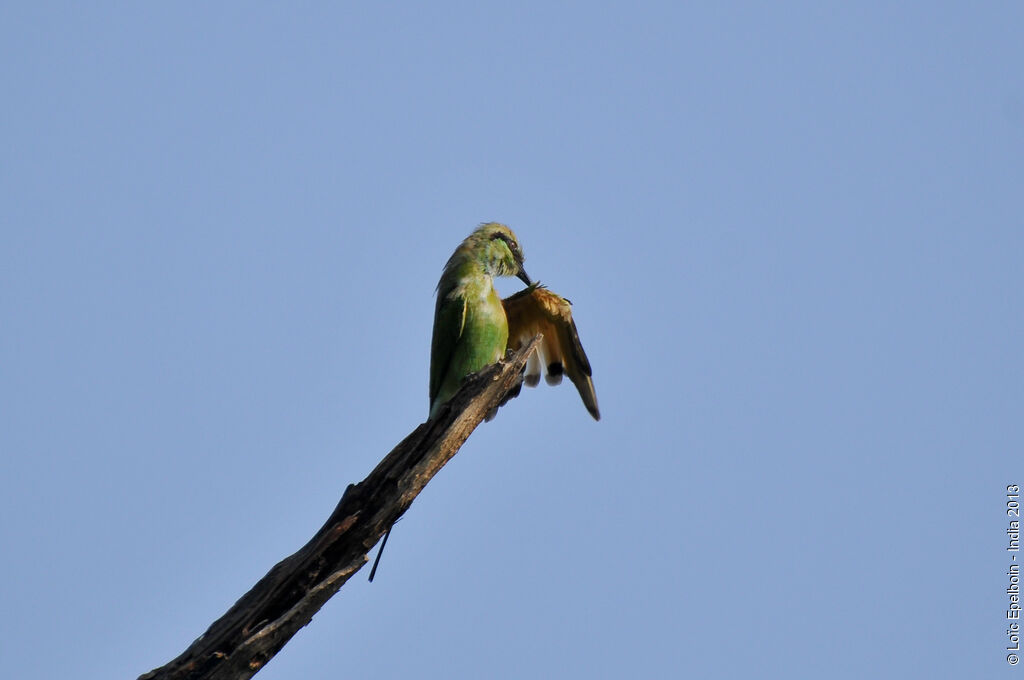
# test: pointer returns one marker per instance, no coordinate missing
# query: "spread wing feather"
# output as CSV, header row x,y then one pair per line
x,y
538,310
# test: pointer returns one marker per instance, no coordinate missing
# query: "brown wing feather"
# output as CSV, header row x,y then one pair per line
x,y
538,310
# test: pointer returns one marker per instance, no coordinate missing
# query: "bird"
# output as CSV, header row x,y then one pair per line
x,y
474,327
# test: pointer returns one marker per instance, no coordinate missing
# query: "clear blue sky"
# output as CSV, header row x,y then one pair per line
x,y
793,235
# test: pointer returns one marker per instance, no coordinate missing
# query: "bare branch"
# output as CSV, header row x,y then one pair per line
x,y
245,638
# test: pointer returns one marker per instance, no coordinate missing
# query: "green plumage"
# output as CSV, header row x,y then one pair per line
x,y
470,327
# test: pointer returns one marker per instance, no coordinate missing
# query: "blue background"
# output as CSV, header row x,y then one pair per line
x,y
793,237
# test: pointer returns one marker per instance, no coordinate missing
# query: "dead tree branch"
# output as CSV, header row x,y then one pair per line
x,y
245,638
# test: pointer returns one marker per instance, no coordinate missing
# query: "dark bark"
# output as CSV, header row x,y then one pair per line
x,y
244,639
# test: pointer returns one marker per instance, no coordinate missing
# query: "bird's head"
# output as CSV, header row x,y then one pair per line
x,y
496,248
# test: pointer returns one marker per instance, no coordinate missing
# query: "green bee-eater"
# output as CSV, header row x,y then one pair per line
x,y
474,327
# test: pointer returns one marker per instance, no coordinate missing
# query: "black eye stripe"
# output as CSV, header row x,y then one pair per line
x,y
511,246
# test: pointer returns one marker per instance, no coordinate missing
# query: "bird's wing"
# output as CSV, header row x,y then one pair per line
x,y
449,320
538,310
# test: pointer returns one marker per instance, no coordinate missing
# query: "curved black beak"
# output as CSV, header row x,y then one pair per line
x,y
523,276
